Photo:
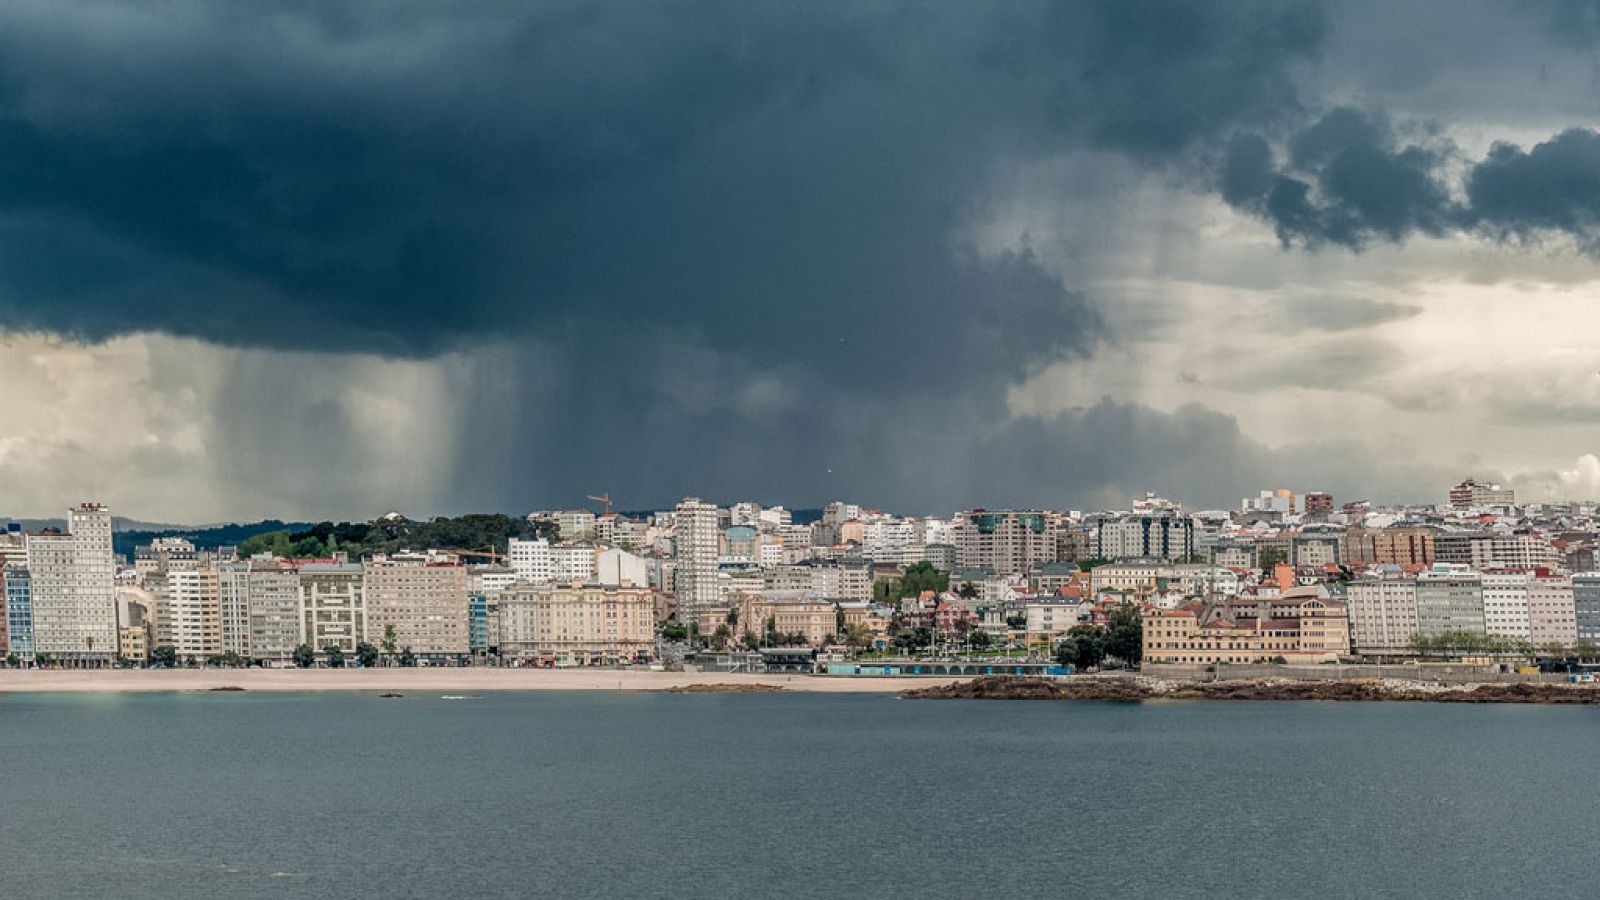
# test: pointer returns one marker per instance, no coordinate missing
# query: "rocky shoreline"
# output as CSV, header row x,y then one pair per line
x,y
721,688
998,687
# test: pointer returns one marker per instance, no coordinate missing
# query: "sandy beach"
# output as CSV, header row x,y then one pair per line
x,y
442,679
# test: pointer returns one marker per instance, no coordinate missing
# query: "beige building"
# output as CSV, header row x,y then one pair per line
x,y
424,602
188,613
577,625
1299,629
754,615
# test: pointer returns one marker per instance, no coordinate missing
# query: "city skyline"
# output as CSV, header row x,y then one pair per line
x,y
296,262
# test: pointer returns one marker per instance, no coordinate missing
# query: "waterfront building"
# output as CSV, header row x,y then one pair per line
x,y
1383,613
1586,606
421,602
1307,631
188,612
577,624
1552,617
18,612
233,593
1505,604
73,589
332,606
275,622
1449,599
753,615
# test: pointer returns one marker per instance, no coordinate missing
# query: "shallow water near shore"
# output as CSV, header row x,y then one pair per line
x,y
234,795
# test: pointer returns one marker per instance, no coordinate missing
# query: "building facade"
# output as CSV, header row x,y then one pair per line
x,y
333,609
697,538
576,625
417,604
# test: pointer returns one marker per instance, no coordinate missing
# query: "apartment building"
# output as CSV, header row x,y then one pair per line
x,y
421,602
1008,542
1165,534
73,589
1586,606
275,621
18,612
1449,598
1552,617
333,611
1505,604
188,612
1383,614
696,542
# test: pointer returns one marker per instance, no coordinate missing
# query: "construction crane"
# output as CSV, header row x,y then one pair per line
x,y
603,498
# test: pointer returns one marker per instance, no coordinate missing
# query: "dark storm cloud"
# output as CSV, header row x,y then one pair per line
x,y
719,239
361,176
1350,180
1552,189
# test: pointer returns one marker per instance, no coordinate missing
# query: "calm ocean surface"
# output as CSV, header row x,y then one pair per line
x,y
804,795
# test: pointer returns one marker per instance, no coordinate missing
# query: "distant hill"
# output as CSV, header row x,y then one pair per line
x,y
205,537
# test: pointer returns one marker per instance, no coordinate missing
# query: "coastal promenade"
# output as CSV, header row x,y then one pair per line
x,y
446,680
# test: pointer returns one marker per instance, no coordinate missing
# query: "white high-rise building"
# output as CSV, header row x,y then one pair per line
x,y
696,542
532,561
74,589
1505,604
233,590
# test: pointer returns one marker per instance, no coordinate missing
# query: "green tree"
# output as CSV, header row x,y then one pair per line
x,y
968,592
1089,565
1017,622
13,660
165,656
335,656
980,640
388,640
1083,647
366,655
1125,634
672,630
408,660
913,639
922,576
1268,557
308,548
304,656
858,636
